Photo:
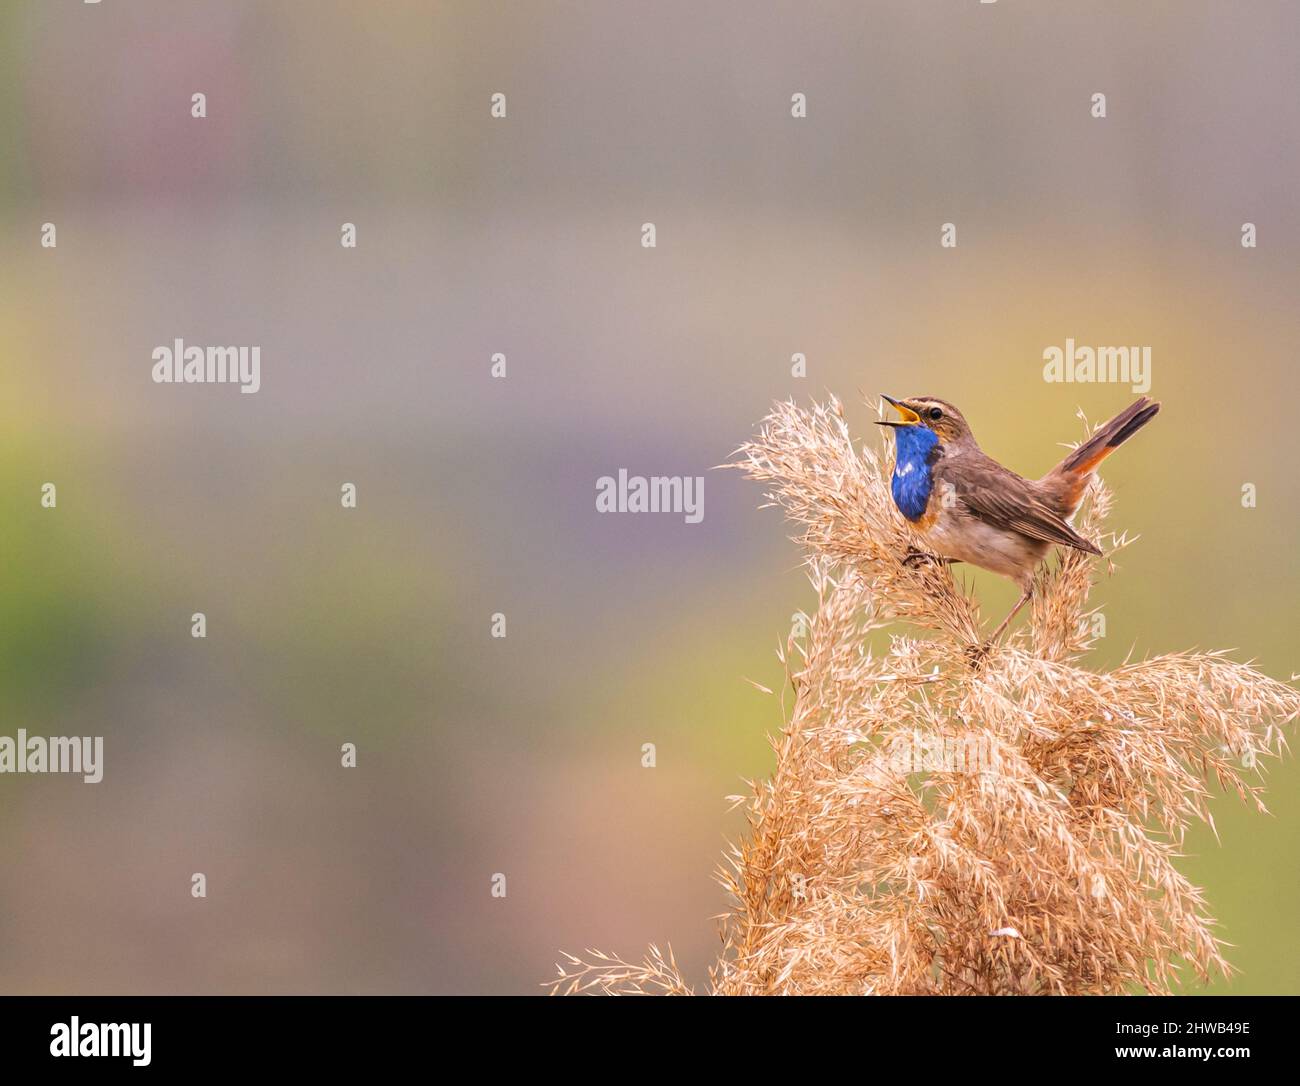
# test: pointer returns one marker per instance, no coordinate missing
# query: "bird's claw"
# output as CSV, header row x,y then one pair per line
x,y
977,652
914,559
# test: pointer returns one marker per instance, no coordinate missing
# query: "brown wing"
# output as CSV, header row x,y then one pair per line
x,y
1003,499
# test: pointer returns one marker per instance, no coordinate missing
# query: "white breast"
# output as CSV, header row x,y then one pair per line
x,y
956,534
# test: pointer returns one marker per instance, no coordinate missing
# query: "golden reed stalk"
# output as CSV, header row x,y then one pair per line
x,y
944,823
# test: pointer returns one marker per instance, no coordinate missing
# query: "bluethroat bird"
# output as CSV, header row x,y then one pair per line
x,y
969,508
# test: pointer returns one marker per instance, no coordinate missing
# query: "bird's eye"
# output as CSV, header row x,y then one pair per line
x,y
936,413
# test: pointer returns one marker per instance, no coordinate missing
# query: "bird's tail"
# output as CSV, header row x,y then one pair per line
x,y
1084,459
1076,468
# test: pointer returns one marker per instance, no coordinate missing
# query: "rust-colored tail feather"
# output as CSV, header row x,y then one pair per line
x,y
1084,460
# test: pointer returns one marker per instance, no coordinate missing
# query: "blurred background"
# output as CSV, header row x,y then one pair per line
x,y
522,236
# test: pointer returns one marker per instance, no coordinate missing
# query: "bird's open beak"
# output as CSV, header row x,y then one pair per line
x,y
909,416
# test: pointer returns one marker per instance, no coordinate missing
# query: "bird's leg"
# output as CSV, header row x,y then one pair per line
x,y
1024,599
915,558
976,654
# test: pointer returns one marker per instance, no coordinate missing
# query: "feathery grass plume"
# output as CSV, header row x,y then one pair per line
x,y
939,826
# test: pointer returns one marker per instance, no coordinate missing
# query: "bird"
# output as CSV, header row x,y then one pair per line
x,y
967,507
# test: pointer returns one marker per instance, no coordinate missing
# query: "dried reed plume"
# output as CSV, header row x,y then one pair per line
x,y
938,822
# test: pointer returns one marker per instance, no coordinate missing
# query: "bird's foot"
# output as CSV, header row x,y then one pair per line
x,y
914,559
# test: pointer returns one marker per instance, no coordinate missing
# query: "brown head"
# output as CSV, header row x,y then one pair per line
x,y
934,414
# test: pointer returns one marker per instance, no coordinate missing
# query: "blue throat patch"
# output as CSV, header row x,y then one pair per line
x,y
911,482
